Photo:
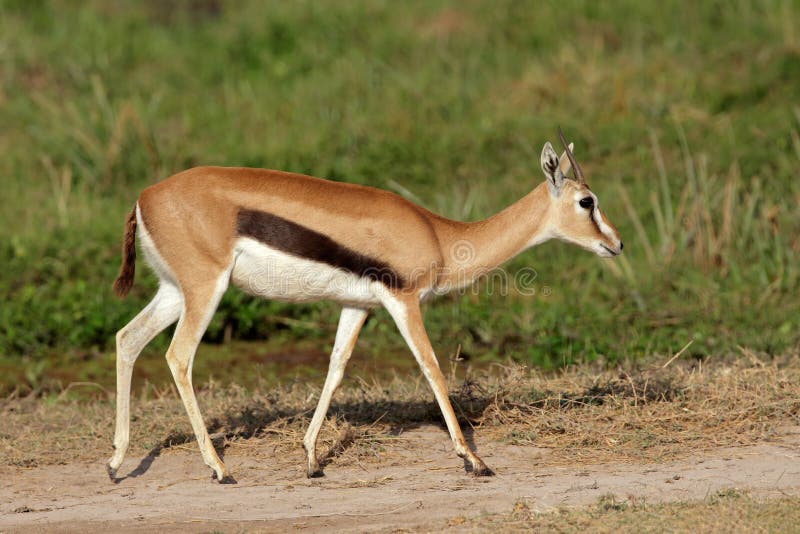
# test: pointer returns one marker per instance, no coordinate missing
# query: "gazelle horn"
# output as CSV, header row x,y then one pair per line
x,y
575,166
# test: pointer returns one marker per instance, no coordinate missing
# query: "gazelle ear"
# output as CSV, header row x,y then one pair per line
x,y
552,170
563,162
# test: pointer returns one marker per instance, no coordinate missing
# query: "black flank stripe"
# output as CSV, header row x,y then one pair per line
x,y
298,240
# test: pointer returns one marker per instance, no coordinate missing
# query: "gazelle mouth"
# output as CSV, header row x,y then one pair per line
x,y
610,251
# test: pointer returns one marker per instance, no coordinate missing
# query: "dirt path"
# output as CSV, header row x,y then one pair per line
x,y
397,490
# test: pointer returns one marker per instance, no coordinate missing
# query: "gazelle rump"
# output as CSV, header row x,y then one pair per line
x,y
297,238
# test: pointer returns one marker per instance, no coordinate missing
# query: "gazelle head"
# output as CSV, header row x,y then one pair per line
x,y
575,215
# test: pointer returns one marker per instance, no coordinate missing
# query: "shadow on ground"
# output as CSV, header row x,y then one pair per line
x,y
470,403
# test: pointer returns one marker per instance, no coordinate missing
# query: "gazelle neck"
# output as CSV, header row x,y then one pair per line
x,y
474,249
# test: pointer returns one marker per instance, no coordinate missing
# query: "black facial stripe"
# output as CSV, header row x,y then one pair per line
x,y
303,242
594,222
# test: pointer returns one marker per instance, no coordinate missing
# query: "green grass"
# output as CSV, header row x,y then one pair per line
x,y
684,116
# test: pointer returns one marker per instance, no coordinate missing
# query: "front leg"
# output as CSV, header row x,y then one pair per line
x,y
406,313
350,322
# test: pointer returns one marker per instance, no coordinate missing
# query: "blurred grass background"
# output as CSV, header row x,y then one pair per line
x,y
685,118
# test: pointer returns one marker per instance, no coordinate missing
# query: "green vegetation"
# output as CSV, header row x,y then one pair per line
x,y
684,116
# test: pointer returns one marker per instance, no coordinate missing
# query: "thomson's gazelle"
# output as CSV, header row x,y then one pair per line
x,y
297,238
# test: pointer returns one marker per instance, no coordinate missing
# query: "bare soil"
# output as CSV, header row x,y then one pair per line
x,y
412,482
662,433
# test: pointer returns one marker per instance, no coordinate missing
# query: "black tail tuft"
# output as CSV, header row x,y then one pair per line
x,y
124,281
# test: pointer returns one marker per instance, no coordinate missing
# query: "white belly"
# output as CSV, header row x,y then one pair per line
x,y
270,273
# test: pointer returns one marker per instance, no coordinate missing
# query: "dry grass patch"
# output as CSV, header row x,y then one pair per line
x,y
726,511
646,414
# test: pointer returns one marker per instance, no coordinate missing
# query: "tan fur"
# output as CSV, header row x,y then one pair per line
x,y
194,212
189,223
191,217
579,227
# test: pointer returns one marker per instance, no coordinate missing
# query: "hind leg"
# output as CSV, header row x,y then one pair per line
x,y
161,312
200,301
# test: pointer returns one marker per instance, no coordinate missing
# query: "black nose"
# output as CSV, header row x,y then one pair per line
x,y
621,246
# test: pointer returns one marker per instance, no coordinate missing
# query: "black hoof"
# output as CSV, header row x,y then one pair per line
x,y
227,479
112,473
316,473
482,471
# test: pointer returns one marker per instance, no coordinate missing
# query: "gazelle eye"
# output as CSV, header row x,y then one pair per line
x,y
586,203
